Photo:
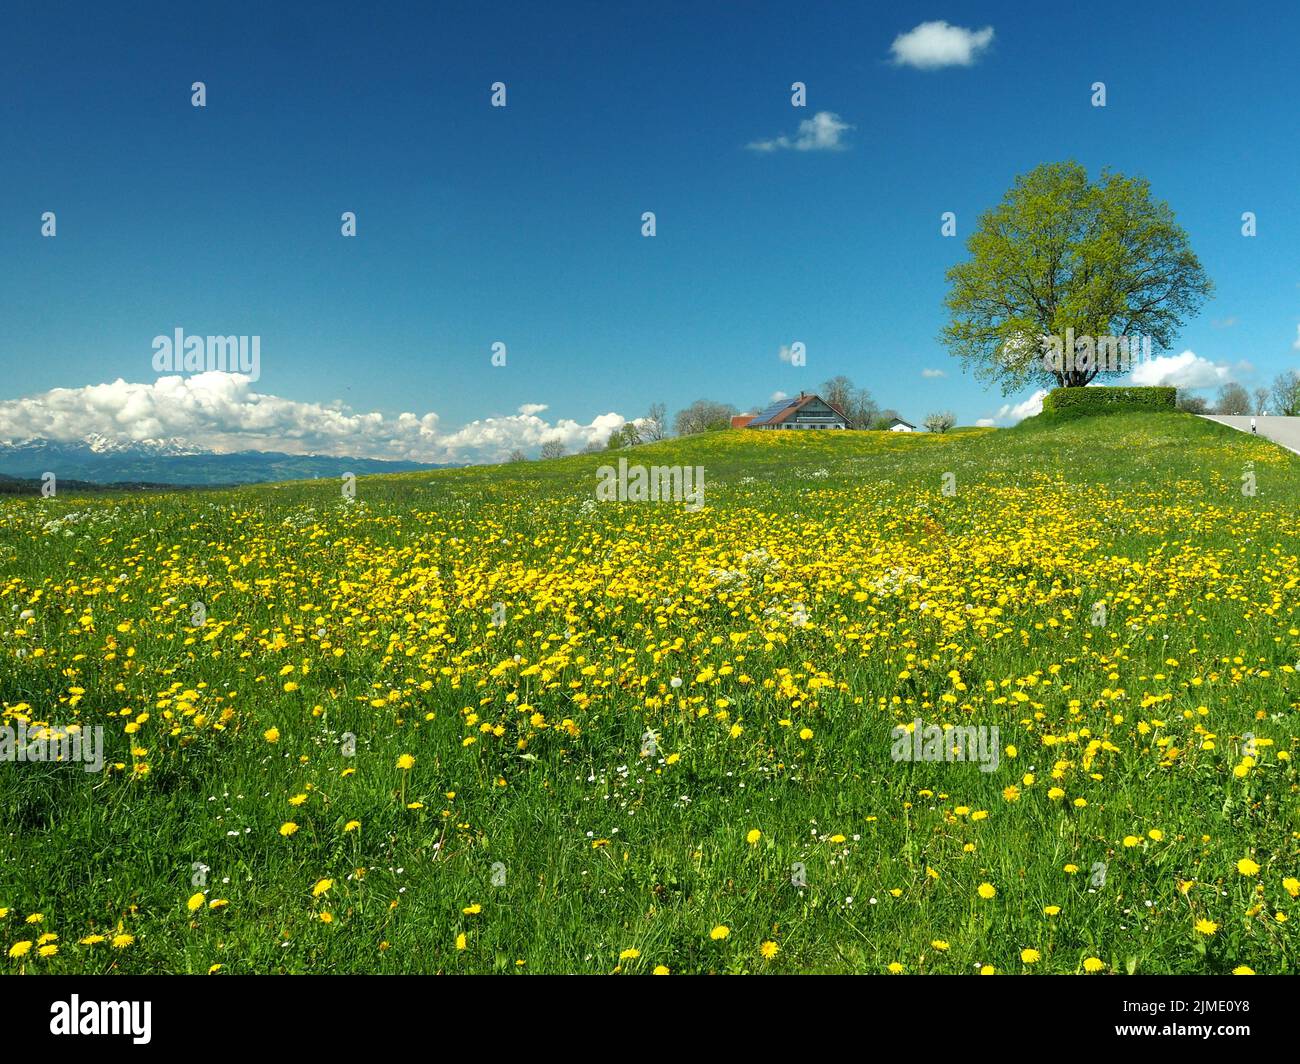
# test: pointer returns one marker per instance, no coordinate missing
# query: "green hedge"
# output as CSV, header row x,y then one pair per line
x,y
1101,400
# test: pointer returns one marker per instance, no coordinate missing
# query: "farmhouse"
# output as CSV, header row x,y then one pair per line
x,y
801,412
897,424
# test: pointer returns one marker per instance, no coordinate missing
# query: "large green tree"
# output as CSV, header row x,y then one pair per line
x,y
1060,252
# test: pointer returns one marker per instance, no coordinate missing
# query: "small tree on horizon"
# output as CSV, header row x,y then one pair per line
x,y
553,449
654,426
1286,394
1232,399
940,422
703,415
627,436
854,403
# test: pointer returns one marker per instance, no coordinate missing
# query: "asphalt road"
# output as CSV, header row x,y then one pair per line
x,y
1281,430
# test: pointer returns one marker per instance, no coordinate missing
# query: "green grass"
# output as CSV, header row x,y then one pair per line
x,y
605,605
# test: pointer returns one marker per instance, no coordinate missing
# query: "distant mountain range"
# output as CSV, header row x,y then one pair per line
x,y
101,460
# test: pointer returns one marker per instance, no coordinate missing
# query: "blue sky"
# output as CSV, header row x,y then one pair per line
x,y
522,224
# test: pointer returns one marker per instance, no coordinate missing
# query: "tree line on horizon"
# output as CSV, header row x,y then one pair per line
x,y
1280,400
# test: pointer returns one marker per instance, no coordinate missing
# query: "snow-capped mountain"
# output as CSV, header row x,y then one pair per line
x,y
102,459
101,444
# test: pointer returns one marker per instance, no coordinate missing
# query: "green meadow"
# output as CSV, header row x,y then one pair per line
x,y
476,720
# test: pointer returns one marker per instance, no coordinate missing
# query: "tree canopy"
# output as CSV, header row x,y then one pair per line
x,y
703,415
1103,259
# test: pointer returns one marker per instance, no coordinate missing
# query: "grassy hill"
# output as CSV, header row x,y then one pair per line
x,y
644,736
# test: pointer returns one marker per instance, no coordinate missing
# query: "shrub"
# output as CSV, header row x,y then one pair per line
x,y
1104,400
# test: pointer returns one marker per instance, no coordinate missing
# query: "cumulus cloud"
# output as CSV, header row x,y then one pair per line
x,y
785,354
1296,345
823,132
1187,370
933,373
985,423
776,397
222,412
1010,413
933,45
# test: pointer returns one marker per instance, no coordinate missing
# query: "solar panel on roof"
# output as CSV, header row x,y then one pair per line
x,y
772,411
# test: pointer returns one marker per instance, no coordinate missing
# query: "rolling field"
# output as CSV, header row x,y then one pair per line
x,y
477,721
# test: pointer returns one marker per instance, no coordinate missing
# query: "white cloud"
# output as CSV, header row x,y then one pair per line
x,y
776,397
822,132
785,354
1296,345
222,412
933,373
1187,370
932,45
1011,413
985,423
